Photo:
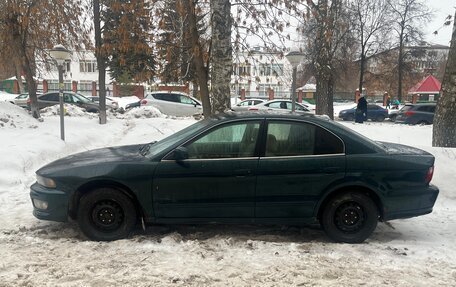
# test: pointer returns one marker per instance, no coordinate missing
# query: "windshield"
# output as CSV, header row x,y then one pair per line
x,y
165,143
81,98
405,108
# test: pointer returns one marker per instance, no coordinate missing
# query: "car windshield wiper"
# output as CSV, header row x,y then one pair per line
x,y
144,149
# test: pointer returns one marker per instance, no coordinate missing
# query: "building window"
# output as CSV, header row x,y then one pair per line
x,y
87,66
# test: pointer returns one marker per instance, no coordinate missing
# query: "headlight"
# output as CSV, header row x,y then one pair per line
x,y
44,181
40,204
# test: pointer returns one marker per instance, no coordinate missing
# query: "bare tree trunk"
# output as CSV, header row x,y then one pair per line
x,y
188,10
101,63
361,70
31,84
444,131
325,95
18,71
221,55
400,68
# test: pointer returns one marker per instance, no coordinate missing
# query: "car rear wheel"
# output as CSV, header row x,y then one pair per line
x,y
349,217
379,118
349,118
392,118
106,214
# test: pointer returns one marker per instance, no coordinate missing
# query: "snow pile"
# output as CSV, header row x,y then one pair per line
x,y
413,252
70,111
123,101
143,112
7,97
12,116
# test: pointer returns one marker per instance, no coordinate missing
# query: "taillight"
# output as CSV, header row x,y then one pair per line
x,y
409,113
144,102
429,174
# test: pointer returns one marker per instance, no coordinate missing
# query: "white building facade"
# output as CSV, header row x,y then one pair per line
x,y
257,72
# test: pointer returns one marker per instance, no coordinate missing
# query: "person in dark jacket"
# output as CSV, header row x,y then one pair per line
x,y
361,110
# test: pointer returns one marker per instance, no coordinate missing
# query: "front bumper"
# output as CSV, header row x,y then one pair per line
x,y
57,200
414,203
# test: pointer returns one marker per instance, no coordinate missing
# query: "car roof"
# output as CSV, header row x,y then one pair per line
x,y
168,92
275,114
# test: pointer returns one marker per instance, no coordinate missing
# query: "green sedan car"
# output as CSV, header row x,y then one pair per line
x,y
241,168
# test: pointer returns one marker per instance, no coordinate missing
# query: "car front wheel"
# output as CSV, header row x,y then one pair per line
x,y
349,217
106,214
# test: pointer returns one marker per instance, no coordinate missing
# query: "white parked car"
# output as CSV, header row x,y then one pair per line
x,y
110,102
277,105
173,103
246,104
308,105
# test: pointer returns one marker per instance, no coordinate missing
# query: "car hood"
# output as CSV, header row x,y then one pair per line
x,y
98,156
394,148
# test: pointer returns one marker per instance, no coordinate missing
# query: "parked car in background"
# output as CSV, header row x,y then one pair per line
x,y
173,103
133,105
412,114
52,98
22,99
309,106
110,102
279,105
393,112
374,113
246,104
264,168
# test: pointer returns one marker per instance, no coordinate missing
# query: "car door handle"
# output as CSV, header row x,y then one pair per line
x,y
242,172
331,169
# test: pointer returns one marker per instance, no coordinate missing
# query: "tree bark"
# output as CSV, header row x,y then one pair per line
x,y
400,68
101,63
188,10
444,130
221,55
325,94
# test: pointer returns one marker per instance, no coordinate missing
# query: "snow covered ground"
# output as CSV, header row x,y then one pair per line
x,y
413,252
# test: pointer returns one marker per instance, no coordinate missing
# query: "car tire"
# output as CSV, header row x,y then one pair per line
x,y
106,214
349,118
350,217
380,119
393,118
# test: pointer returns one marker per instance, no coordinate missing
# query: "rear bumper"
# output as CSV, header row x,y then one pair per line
x,y
57,201
413,203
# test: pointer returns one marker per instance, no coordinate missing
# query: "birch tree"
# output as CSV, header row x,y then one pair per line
x,y
444,130
221,55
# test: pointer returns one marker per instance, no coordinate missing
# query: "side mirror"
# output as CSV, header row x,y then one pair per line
x,y
180,154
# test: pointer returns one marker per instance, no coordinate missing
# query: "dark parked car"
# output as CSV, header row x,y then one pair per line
x,y
246,168
374,113
412,114
52,98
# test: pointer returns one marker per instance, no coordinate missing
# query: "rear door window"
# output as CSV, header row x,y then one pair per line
x,y
54,97
297,139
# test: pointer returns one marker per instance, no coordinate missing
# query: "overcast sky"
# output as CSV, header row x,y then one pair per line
x,y
442,8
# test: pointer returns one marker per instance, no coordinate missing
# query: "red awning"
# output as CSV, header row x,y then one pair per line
x,y
429,85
